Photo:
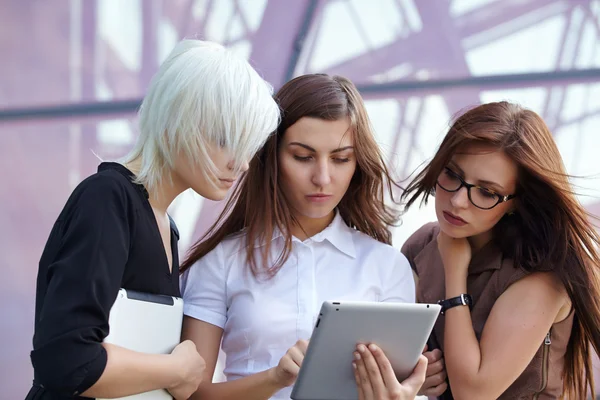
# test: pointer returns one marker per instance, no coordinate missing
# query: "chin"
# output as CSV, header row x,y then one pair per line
x,y
214,195
452,231
456,232
316,214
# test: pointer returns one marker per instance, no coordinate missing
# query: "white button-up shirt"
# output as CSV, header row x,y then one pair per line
x,y
262,318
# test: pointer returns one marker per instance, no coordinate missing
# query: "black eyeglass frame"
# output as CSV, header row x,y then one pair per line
x,y
501,199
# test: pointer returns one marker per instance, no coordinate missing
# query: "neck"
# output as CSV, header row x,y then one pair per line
x,y
162,195
478,241
307,227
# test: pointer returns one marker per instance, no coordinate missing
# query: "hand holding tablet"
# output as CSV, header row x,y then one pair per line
x,y
375,377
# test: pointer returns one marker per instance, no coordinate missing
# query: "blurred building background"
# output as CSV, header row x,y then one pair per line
x,y
73,72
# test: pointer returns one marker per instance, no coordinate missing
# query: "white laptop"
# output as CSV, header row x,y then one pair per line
x,y
147,323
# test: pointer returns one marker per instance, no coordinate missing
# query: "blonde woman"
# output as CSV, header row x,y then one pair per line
x,y
206,113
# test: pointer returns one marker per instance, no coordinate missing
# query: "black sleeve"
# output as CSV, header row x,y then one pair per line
x,y
83,278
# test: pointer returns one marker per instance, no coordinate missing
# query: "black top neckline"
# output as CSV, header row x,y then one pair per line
x,y
123,170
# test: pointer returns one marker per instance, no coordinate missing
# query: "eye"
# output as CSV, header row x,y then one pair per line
x,y
341,160
302,159
451,174
487,193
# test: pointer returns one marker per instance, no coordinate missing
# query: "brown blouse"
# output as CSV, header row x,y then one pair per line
x,y
489,276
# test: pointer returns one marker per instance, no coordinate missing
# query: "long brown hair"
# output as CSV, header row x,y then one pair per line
x,y
549,230
258,205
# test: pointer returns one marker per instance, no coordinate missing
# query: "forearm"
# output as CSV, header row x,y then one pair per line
x,y
462,352
259,386
128,372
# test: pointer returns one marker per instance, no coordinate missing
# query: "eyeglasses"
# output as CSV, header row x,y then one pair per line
x,y
481,197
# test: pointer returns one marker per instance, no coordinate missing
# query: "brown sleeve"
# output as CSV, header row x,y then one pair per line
x,y
417,241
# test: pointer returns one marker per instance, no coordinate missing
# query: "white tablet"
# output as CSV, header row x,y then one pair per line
x,y
147,323
401,330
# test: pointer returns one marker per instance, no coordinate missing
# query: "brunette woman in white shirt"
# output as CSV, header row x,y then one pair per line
x,y
307,224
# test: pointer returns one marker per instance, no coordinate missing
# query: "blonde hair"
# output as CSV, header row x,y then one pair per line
x,y
202,95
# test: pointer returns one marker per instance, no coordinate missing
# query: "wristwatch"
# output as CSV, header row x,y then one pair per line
x,y
462,300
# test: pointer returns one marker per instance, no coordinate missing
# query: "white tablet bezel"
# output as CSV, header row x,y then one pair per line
x,y
146,323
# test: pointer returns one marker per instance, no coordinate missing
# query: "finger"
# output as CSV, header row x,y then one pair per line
x,y
417,378
363,377
436,390
302,345
290,366
435,367
296,355
434,355
435,380
372,368
432,382
361,395
425,348
386,371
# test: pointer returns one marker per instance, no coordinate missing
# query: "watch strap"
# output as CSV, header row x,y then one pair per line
x,y
462,300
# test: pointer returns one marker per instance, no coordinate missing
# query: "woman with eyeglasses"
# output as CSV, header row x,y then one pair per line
x,y
513,260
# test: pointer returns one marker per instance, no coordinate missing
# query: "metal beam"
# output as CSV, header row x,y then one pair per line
x,y
275,43
487,82
83,110
390,89
300,38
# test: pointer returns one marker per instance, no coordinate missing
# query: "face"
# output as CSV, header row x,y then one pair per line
x,y
483,166
190,175
316,162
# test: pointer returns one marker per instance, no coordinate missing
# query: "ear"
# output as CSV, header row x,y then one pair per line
x,y
511,211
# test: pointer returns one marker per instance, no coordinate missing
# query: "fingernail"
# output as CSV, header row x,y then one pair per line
x,y
373,347
357,356
354,365
361,348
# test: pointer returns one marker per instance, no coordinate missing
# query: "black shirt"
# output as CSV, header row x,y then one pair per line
x,y
105,238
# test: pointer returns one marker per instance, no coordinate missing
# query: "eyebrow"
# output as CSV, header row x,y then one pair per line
x,y
307,147
483,183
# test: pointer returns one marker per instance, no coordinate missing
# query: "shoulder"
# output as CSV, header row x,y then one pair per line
x,y
421,238
541,283
100,195
222,254
388,254
234,244
537,292
104,186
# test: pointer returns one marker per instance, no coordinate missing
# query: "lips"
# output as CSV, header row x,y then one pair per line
x,y
227,182
318,197
454,219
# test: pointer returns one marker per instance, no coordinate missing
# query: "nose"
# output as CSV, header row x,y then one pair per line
x,y
460,198
243,167
321,175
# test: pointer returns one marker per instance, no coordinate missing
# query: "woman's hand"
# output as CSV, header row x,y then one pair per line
x,y
455,254
435,377
191,368
376,380
286,372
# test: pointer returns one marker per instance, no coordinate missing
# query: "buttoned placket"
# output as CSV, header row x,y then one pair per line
x,y
307,289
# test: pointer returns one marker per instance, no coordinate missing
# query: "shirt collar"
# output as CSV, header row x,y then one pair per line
x,y
337,233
